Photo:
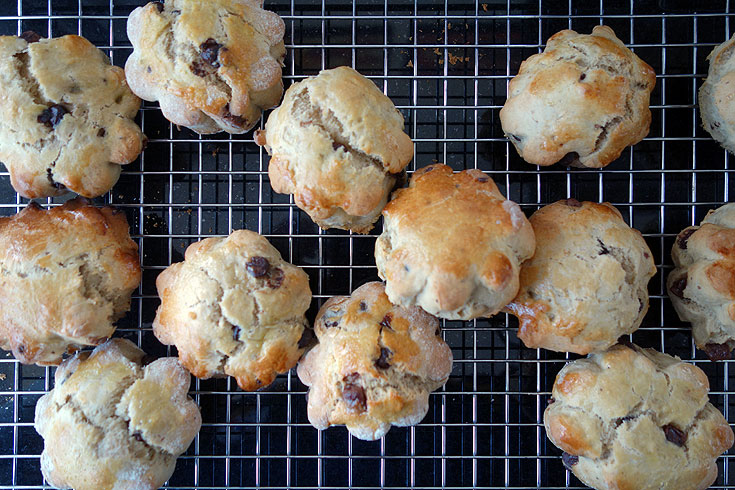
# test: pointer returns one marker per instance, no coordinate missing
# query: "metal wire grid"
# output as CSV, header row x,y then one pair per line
x,y
446,66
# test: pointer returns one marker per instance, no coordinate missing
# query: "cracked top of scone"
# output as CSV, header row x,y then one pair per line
x,y
586,285
212,65
375,363
234,307
66,274
583,100
452,244
702,286
716,103
633,418
113,422
67,119
336,144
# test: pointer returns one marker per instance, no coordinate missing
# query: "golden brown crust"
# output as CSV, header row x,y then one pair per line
x,y
66,275
452,244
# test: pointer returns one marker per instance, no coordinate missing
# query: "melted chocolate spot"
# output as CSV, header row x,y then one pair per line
x,y
210,52
483,179
158,5
354,394
50,177
674,435
336,146
573,203
515,138
569,460
715,125
603,249
331,324
236,120
199,69
683,237
275,278
582,77
382,361
678,287
101,133
21,349
52,115
31,37
386,320
258,266
307,338
363,306
138,437
717,352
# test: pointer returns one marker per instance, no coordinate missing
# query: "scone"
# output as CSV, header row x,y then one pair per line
x,y
452,244
212,65
67,275
702,286
113,422
234,307
716,102
337,144
375,363
67,116
581,101
633,418
587,283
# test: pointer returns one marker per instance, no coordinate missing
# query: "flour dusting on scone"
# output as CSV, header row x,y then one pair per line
x,y
702,286
586,285
114,421
337,144
375,364
212,65
66,275
716,101
67,116
581,101
632,418
234,307
452,244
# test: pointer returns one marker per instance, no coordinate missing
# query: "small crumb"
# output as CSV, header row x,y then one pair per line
x,y
410,64
484,7
437,52
3,376
449,26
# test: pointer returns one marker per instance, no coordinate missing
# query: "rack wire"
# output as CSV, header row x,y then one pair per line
x,y
446,65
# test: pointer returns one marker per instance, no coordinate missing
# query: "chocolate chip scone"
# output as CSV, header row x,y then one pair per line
x,y
212,65
113,422
337,144
66,274
633,418
67,116
716,103
234,307
702,286
581,101
375,363
586,285
452,244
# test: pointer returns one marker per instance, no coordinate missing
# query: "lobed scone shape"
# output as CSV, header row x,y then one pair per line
x,y
212,65
337,144
633,418
587,283
375,363
716,102
67,275
702,285
67,116
583,100
234,307
113,423
452,244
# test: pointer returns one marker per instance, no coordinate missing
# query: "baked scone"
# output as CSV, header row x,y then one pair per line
x,y
375,363
633,418
234,307
452,244
67,275
581,101
716,102
113,422
67,116
587,283
702,286
212,65
337,144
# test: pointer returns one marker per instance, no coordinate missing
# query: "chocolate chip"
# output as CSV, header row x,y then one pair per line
x,y
236,332
363,306
21,349
382,361
683,237
621,420
336,146
138,437
550,401
515,138
210,52
717,352
331,324
353,394
437,332
275,278
31,37
50,177
101,133
603,249
307,338
645,254
236,120
569,159
258,266
715,125
199,69
158,5
569,460
386,320
582,76
52,115
573,203
674,435
483,179
678,287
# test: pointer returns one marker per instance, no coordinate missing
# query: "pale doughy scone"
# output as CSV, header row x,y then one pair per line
x,y
234,307
581,101
67,116
587,283
633,418
375,363
114,423
702,286
212,65
66,274
452,244
337,144
716,100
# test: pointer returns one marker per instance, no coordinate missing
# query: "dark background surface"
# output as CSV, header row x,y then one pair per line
x,y
446,66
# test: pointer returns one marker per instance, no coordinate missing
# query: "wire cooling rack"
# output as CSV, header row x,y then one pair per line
x,y
446,65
